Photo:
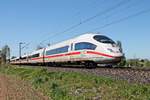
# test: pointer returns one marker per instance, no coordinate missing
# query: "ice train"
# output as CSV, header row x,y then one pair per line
x,y
88,49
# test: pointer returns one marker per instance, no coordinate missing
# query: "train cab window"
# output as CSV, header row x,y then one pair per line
x,y
57,50
84,45
103,39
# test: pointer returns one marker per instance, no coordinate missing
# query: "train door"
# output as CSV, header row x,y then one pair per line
x,y
71,47
71,51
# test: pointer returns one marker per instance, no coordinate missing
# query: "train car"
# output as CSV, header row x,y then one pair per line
x,y
88,49
36,57
24,59
15,61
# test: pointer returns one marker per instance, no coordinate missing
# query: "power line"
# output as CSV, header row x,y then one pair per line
x,y
114,13
105,11
25,45
127,7
90,18
122,19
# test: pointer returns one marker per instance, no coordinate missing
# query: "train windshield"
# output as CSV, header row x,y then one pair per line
x,y
103,39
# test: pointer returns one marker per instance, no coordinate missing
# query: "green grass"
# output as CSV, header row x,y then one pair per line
x,y
77,86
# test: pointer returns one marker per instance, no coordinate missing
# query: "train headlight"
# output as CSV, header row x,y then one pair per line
x,y
110,50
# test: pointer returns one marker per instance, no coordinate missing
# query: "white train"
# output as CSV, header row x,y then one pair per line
x,y
89,49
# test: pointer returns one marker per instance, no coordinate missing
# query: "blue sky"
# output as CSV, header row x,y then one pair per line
x,y
32,21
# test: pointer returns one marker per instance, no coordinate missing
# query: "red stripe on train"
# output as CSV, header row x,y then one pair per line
x,y
99,53
74,53
57,55
67,54
37,58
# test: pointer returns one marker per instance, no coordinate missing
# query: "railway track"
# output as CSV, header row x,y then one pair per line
x,y
131,75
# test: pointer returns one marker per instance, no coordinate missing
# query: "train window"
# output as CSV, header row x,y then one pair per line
x,y
103,39
84,45
57,50
35,55
24,58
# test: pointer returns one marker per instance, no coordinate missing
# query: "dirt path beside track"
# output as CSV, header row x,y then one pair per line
x,y
12,88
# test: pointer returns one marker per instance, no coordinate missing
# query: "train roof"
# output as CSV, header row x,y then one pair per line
x,y
83,36
14,58
36,51
25,55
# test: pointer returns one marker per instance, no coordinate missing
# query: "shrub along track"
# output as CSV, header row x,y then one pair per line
x,y
128,74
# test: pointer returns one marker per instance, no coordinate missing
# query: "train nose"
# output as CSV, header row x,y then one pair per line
x,y
114,52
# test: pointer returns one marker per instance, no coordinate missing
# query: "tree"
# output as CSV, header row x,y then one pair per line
x,y
147,63
0,57
5,54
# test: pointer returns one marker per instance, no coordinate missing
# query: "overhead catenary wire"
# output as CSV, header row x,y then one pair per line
x,y
25,45
114,13
89,19
118,21
122,19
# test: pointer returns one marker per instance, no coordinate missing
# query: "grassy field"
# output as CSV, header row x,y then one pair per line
x,y
76,86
